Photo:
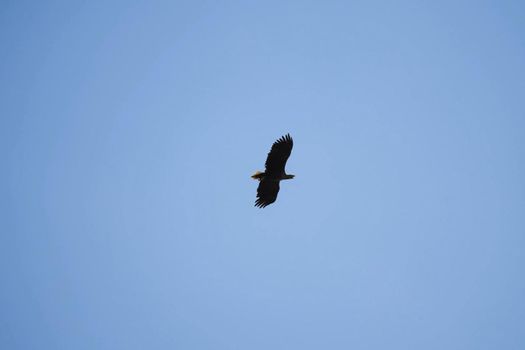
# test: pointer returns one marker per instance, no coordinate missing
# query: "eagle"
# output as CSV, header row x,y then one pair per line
x,y
274,172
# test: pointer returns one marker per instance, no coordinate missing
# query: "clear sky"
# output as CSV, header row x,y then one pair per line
x,y
129,131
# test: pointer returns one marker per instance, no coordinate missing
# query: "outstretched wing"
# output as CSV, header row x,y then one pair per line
x,y
266,193
276,160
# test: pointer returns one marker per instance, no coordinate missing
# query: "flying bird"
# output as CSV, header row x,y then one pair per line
x,y
274,173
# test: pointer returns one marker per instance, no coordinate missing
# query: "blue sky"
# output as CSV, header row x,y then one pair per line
x,y
130,130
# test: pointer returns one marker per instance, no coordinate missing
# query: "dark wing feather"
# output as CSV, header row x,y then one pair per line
x,y
266,193
276,160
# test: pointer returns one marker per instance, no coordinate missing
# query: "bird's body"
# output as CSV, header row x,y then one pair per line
x,y
274,173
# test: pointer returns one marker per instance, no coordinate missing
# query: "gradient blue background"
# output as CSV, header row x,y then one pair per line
x,y
129,131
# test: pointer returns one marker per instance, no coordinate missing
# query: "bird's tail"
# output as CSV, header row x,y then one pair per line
x,y
258,175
